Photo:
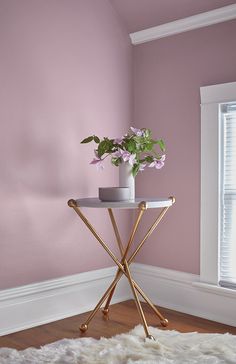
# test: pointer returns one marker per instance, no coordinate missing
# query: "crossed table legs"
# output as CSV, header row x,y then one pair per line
x,y
123,264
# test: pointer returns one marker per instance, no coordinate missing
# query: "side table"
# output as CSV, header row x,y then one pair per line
x,y
141,205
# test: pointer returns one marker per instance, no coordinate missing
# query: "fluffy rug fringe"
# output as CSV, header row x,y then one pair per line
x,y
171,347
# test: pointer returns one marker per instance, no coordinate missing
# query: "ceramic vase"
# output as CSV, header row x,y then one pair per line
x,y
126,179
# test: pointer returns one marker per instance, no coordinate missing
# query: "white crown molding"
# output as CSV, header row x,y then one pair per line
x,y
183,25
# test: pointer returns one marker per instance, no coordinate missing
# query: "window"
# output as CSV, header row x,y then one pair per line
x,y
228,195
218,186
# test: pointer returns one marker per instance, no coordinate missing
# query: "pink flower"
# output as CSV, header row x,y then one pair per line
x,y
158,163
98,163
132,159
136,131
118,153
142,166
122,154
125,156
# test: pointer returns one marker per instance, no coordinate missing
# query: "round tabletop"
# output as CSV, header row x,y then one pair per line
x,y
129,204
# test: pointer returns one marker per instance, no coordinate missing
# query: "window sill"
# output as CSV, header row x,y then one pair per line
x,y
211,288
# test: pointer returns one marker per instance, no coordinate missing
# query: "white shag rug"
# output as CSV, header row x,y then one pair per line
x,y
170,347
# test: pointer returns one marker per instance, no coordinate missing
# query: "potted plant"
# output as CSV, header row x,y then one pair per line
x,y
133,152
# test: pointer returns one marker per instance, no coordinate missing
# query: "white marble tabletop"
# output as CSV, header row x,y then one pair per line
x,y
129,204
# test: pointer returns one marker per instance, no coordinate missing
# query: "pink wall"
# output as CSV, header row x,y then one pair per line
x,y
65,73
167,76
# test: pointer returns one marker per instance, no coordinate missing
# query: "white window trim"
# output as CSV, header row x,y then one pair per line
x,y
211,96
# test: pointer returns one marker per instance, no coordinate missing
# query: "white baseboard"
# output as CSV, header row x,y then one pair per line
x,y
40,303
184,293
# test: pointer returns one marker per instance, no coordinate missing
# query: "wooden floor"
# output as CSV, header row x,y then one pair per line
x,y
123,317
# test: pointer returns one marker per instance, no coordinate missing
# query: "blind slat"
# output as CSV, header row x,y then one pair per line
x,y
228,199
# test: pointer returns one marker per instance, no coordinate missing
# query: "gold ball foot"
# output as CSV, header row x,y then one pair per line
x,y
105,311
71,203
164,322
172,198
83,327
151,337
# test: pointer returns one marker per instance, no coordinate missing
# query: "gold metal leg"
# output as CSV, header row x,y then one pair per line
x,y
149,232
84,326
138,304
116,231
163,320
123,251
105,310
123,264
72,203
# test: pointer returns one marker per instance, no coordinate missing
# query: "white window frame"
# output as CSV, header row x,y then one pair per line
x,y
211,97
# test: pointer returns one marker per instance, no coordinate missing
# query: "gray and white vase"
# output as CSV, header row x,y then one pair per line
x,y
126,179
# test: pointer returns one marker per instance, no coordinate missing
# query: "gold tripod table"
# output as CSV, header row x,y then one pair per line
x,y
140,205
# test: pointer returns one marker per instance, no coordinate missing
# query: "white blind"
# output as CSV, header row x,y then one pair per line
x,y
228,198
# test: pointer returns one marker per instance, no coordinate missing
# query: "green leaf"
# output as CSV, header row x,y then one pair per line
x,y
116,161
87,140
149,159
102,148
149,146
131,146
161,145
147,133
135,170
105,146
96,139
